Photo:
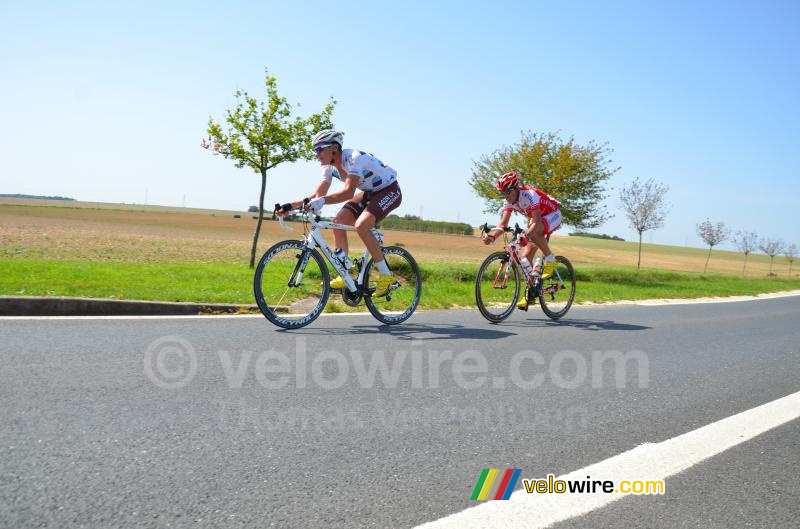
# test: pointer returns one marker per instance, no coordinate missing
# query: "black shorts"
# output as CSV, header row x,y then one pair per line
x,y
379,203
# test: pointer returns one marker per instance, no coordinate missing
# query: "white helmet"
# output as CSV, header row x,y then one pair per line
x,y
327,137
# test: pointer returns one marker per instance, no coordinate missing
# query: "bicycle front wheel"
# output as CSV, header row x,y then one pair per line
x,y
291,284
403,297
497,287
557,293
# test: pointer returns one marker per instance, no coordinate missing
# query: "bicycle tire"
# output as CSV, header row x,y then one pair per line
x,y
567,283
401,302
486,305
273,267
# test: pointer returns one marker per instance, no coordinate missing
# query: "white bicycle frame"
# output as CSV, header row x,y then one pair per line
x,y
315,240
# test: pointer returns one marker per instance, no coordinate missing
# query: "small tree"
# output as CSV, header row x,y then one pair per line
x,y
771,247
790,253
712,234
746,242
262,135
572,173
644,205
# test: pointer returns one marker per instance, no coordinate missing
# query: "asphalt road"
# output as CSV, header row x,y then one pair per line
x,y
230,422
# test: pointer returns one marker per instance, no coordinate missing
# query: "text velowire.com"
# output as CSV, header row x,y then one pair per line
x,y
591,486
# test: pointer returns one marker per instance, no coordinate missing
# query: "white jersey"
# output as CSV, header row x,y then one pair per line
x,y
373,174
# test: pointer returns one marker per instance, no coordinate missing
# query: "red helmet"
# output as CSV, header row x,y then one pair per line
x,y
508,181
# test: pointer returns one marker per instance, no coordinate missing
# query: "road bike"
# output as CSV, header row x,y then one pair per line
x,y
501,278
292,281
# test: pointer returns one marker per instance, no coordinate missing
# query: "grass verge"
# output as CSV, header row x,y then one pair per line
x,y
444,285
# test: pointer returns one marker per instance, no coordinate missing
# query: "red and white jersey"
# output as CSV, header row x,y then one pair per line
x,y
531,200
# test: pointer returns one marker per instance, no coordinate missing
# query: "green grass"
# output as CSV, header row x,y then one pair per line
x,y
444,285
215,282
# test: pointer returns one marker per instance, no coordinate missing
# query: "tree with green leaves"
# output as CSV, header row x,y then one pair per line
x,y
264,134
644,206
572,173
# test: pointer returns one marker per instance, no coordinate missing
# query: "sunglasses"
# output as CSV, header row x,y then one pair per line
x,y
320,149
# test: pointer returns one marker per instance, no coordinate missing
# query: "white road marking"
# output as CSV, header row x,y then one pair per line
x,y
647,462
695,301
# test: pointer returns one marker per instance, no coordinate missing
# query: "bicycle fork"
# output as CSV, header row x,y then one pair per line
x,y
504,271
299,268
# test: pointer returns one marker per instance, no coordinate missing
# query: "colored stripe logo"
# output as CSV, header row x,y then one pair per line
x,y
495,484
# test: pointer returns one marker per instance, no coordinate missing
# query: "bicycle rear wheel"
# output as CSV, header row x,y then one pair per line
x,y
557,292
291,284
497,287
403,297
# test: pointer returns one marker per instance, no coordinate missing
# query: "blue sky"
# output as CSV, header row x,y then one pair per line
x,y
107,103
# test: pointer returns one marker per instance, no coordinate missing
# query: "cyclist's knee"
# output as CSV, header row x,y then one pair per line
x,y
365,223
363,228
345,216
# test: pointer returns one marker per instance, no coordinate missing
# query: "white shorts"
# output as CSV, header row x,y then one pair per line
x,y
551,222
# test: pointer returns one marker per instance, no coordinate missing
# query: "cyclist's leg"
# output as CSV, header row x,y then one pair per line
x,y
541,234
529,250
348,215
364,224
379,205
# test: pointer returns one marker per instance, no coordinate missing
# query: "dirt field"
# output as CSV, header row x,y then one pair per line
x,y
130,233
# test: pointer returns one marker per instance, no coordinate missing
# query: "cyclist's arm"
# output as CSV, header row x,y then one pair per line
x,y
346,193
322,188
494,233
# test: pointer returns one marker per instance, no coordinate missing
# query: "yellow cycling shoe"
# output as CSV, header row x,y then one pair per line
x,y
338,283
383,284
522,304
549,268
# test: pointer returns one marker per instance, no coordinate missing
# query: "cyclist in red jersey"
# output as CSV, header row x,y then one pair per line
x,y
543,213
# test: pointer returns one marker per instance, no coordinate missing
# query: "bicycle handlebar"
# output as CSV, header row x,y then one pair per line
x,y
517,230
288,209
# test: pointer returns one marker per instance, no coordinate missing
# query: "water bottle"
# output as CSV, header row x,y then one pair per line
x,y
342,258
526,266
537,265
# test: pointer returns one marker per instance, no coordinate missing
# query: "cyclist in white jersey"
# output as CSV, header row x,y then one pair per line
x,y
370,193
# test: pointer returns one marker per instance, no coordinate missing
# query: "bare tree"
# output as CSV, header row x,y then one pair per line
x,y
790,252
712,234
645,207
746,242
771,247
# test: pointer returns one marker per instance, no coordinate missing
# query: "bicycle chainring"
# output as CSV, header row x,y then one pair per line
x,y
351,299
